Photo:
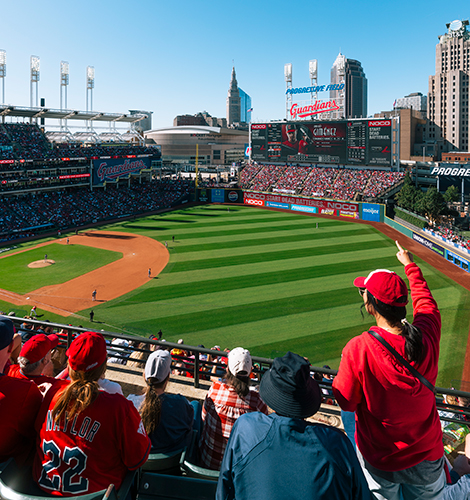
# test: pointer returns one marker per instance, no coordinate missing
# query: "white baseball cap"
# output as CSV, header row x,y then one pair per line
x,y
158,365
239,361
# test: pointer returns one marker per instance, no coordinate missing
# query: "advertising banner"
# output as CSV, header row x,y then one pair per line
x,y
351,215
302,208
109,170
363,142
233,196
308,202
371,211
217,195
253,201
274,204
429,244
203,195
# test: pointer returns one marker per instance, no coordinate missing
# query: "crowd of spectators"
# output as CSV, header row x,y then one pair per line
x,y
24,141
331,182
71,208
234,419
451,235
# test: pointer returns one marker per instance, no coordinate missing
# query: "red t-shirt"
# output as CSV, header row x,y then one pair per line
x,y
93,450
19,404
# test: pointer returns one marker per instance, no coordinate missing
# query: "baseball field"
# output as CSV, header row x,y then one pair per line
x,y
266,280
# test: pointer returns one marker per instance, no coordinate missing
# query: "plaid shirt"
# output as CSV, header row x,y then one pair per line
x,y
222,407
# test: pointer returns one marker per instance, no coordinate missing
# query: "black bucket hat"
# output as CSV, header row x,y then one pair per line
x,y
288,389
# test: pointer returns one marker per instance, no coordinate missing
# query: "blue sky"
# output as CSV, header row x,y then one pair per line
x,y
175,57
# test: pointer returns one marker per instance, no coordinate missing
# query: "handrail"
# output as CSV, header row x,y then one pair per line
x,y
193,363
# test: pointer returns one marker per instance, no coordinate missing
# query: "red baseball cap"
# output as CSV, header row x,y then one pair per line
x,y
38,346
385,286
87,352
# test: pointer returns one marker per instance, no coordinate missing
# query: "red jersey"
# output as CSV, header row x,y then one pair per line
x,y
19,404
91,451
43,382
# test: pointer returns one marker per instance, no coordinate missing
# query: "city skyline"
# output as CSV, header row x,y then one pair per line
x,y
173,64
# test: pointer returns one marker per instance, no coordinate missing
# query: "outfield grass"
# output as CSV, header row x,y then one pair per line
x,y
268,281
70,261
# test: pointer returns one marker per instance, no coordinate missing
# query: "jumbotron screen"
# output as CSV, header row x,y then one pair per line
x,y
362,142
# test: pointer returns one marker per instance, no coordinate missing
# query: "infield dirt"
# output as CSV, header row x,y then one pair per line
x,y
111,281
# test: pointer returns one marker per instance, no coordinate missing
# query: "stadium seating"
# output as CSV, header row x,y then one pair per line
x,y
164,463
25,216
189,459
27,142
329,182
153,486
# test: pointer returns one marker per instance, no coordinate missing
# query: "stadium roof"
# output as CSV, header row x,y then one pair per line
x,y
196,129
68,114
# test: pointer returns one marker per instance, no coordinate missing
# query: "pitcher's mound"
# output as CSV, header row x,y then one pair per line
x,y
41,263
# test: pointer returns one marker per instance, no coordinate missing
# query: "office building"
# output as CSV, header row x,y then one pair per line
x,y
415,101
353,97
448,96
245,107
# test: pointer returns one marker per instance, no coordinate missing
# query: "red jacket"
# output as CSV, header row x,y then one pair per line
x,y
397,424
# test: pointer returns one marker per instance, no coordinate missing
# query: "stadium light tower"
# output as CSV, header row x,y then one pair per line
x,y
35,66
90,85
288,77
3,71
313,70
64,81
342,93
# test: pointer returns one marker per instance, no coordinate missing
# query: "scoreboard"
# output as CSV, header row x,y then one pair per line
x,y
362,142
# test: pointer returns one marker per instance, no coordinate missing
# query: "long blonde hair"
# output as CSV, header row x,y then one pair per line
x,y
151,409
79,394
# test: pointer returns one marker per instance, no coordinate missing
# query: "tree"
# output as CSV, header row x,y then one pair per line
x,y
452,194
406,197
432,205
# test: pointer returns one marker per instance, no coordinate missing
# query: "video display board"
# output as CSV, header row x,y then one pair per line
x,y
362,142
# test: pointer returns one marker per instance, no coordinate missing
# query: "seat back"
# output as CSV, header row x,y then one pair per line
x,y
154,486
189,459
164,463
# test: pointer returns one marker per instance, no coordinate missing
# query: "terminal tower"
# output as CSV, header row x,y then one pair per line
x,y
233,101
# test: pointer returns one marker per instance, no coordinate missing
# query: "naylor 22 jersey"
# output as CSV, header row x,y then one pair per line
x,y
95,448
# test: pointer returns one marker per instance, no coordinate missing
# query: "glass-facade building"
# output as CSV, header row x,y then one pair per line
x,y
245,106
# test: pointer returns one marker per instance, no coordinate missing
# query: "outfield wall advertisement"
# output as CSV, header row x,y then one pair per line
x,y
313,206
216,195
429,244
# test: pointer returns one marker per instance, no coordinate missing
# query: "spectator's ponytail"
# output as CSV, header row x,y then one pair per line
x,y
151,408
80,394
396,317
414,347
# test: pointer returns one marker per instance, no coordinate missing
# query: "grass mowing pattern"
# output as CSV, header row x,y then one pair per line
x,y
70,261
271,282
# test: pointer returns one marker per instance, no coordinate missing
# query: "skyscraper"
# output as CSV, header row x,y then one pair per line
x,y
233,101
245,107
448,118
353,98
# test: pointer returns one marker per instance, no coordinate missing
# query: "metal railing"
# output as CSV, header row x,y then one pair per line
x,y
194,362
